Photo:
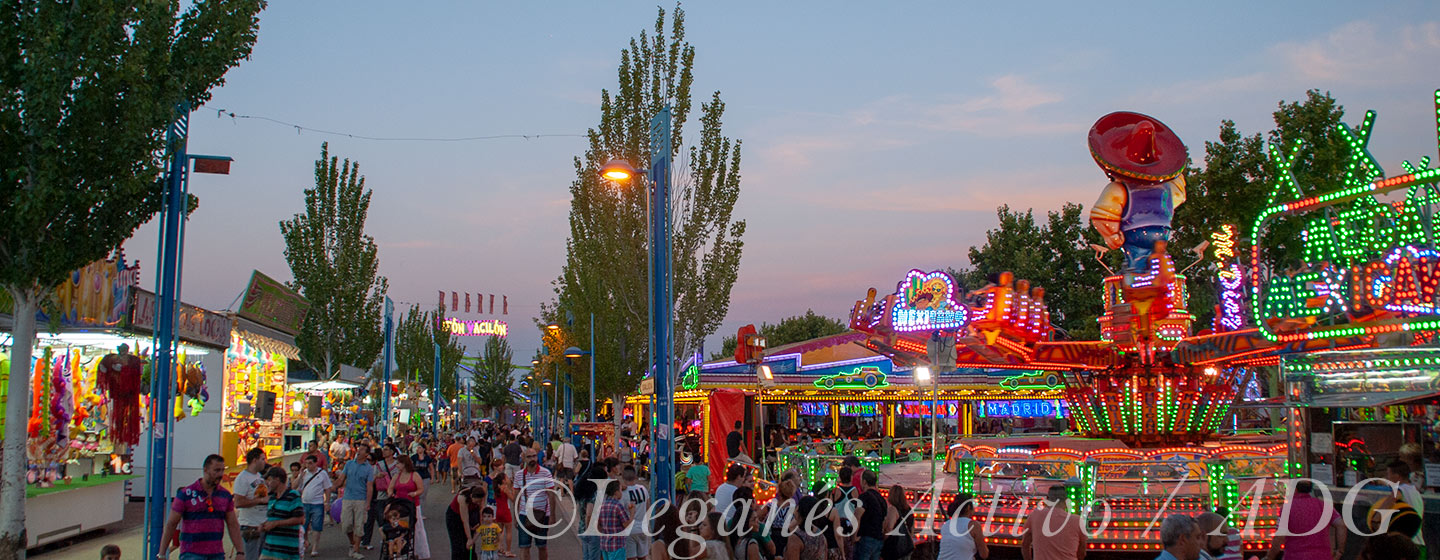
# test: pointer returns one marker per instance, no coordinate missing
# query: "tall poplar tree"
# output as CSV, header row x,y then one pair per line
x,y
415,340
87,91
336,266
606,266
493,379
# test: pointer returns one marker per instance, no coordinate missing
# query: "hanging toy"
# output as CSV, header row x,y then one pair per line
x,y
62,403
121,375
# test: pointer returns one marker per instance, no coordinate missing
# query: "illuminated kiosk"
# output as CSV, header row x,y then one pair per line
x,y
833,385
1150,396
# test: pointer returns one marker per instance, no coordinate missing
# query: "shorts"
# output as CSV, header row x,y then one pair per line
x,y
315,517
194,556
353,514
487,555
617,554
536,531
637,546
443,465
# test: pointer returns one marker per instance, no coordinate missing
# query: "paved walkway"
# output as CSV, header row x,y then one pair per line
x,y
333,543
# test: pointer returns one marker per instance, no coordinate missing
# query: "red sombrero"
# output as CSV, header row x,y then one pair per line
x,y
1137,146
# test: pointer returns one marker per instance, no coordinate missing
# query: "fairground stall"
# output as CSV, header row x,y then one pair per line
x,y
828,397
331,405
89,385
257,367
1153,397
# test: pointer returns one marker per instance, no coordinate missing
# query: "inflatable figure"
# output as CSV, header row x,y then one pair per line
x,y
1143,159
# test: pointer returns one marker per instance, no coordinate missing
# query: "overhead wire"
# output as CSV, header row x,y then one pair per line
x,y
299,129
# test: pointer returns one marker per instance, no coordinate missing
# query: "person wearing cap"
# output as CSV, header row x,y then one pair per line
x,y
1053,533
1143,159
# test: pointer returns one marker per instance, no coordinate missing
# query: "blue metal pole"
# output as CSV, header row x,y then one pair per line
x,y
592,367
163,370
569,406
389,349
435,396
662,466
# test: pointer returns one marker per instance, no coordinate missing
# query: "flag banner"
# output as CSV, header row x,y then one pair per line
x,y
505,302
492,304
454,300
442,300
467,302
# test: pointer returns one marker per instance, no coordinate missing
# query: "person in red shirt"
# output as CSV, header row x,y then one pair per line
x,y
322,458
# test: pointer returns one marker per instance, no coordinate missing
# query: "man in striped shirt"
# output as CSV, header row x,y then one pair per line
x,y
534,484
203,512
282,520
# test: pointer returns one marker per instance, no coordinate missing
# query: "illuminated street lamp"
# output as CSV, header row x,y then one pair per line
x,y
618,170
662,466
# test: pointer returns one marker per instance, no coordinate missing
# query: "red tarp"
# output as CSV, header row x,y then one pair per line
x,y
727,406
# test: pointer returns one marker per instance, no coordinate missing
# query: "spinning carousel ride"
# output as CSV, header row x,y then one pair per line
x,y
1148,399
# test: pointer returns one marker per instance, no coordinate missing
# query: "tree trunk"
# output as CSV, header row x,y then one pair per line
x,y
617,412
17,415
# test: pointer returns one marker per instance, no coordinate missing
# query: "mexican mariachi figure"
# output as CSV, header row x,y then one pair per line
x,y
1144,160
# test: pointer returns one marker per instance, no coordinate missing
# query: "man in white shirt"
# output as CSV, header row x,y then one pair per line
x,y
249,506
315,488
533,484
566,455
339,451
637,499
725,494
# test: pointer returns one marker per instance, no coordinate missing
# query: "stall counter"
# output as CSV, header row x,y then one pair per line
x,y
67,510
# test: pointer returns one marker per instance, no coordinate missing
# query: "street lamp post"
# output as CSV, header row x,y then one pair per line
x,y
389,355
171,248
434,397
662,466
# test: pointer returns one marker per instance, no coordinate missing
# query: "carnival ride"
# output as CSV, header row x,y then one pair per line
x,y
1149,397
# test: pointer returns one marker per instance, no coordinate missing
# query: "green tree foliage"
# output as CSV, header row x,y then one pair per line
x,y
336,266
1236,184
493,379
605,269
1055,255
788,331
87,92
415,338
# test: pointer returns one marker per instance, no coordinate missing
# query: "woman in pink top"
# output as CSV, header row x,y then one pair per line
x,y
409,486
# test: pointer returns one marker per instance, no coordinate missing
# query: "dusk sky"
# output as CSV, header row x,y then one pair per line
x,y
878,137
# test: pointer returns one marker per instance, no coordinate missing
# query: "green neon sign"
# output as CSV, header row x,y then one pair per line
x,y
865,377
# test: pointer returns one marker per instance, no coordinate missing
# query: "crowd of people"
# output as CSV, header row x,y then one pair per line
x,y
504,486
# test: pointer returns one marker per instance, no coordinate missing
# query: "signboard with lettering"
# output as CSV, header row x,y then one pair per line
x,y
921,409
489,327
859,409
925,301
814,409
1022,409
192,324
1368,264
270,303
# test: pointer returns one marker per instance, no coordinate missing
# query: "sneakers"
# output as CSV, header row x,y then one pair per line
x,y
357,555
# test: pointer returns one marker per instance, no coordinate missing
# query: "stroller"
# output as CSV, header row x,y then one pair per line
x,y
399,530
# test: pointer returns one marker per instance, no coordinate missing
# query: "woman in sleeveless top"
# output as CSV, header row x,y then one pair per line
x,y
802,545
409,486
960,537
